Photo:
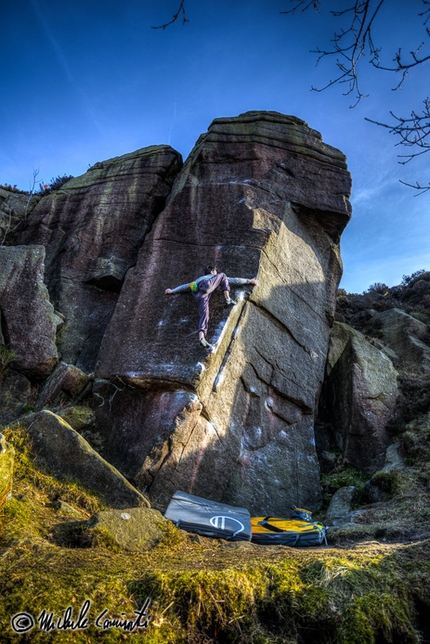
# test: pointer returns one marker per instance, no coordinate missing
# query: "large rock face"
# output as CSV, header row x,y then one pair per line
x,y
260,195
92,229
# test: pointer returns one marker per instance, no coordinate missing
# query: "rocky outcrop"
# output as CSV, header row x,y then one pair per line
x,y
29,323
260,195
407,336
67,454
14,208
339,509
92,229
358,400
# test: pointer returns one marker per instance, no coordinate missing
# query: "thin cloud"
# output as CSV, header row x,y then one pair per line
x,y
83,98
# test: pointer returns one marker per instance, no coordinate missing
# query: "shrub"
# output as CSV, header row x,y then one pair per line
x,y
378,287
420,316
55,184
343,477
415,395
407,279
9,188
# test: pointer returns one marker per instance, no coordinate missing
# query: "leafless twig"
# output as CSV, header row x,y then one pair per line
x,y
354,41
181,10
413,132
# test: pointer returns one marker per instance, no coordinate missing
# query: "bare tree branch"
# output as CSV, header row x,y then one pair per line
x,y
304,4
175,17
416,186
352,43
413,131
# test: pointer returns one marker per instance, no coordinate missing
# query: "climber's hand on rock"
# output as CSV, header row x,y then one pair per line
x,y
253,281
168,291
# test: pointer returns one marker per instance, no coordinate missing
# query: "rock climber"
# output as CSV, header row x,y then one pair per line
x,y
202,289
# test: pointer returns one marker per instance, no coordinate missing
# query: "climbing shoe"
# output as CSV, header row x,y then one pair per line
x,y
204,343
230,302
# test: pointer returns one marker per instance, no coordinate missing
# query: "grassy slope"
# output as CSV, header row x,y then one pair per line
x,y
202,590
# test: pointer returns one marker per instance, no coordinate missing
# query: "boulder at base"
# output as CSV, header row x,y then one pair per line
x,y
67,454
65,383
260,195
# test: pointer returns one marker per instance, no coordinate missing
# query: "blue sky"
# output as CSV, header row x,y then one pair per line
x,y
86,81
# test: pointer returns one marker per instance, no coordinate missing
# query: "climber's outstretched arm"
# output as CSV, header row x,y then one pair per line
x,y
240,281
184,288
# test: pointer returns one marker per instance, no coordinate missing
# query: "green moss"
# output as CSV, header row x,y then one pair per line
x,y
79,417
388,481
31,511
420,315
27,407
416,441
101,537
7,356
211,593
202,590
348,475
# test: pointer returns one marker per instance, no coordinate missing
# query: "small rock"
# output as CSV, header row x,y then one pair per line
x,y
328,461
393,457
66,379
79,417
65,507
138,529
339,510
